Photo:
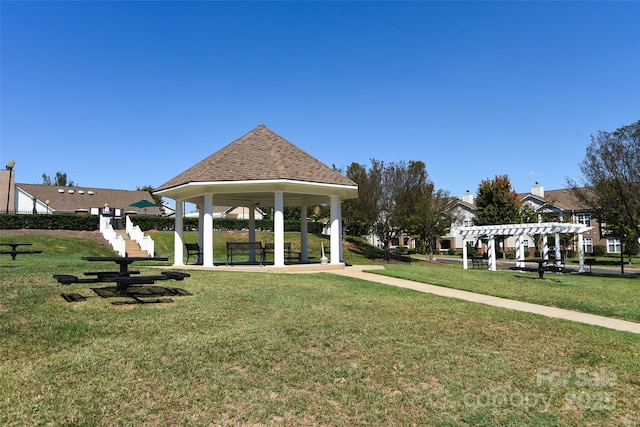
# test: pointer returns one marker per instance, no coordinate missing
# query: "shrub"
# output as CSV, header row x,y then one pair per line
x,y
599,250
161,223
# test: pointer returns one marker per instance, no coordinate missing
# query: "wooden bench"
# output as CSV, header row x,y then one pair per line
x,y
245,248
270,247
193,249
478,261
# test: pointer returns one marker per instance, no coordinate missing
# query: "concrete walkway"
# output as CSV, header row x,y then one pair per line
x,y
357,272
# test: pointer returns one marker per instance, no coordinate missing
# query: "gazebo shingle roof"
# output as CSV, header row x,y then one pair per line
x,y
259,155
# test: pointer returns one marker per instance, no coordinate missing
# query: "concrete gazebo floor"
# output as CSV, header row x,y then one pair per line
x,y
267,268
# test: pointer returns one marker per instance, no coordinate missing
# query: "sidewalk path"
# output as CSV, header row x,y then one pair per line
x,y
606,322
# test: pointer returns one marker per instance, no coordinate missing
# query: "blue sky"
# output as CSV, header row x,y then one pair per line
x,y
126,94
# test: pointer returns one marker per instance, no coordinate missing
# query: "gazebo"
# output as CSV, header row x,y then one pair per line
x,y
259,169
519,231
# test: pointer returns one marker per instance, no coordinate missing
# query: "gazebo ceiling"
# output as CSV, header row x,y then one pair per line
x,y
252,168
246,193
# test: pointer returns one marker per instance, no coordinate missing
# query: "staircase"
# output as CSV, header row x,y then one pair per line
x,y
131,246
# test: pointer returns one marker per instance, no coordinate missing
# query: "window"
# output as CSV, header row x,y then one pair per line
x,y
587,245
468,222
525,243
584,218
613,246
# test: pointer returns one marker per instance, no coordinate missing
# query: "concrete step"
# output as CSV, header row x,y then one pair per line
x,y
131,246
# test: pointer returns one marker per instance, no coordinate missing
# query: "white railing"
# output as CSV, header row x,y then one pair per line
x,y
135,233
116,242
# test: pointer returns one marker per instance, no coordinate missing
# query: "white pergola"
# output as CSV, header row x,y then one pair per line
x,y
259,169
519,230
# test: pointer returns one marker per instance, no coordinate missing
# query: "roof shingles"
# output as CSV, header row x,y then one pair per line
x,y
259,155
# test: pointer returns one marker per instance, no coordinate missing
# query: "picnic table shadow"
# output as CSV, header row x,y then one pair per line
x,y
134,295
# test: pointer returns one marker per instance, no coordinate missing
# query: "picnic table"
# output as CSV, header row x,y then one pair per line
x,y
15,251
543,266
123,278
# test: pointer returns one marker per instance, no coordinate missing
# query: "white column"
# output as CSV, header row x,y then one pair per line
x,y
558,261
278,230
491,247
336,231
178,241
545,247
519,251
464,255
581,252
252,231
200,226
304,235
207,232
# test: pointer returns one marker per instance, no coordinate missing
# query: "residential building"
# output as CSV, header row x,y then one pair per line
x,y
552,206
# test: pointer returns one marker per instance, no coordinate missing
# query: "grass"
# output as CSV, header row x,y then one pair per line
x,y
606,295
313,349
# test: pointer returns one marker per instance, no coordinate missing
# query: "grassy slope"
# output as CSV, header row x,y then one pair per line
x,y
273,349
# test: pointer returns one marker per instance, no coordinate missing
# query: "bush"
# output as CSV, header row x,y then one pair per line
x,y
49,221
161,223
599,250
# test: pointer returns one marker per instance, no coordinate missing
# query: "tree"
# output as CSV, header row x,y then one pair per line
x,y
60,180
381,180
359,214
497,203
611,181
432,217
611,175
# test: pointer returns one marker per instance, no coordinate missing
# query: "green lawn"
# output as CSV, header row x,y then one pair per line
x,y
607,295
313,349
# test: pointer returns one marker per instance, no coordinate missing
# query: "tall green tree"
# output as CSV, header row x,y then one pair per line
x,y
359,214
497,203
424,211
611,180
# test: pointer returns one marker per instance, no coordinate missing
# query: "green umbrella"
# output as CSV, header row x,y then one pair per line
x,y
143,204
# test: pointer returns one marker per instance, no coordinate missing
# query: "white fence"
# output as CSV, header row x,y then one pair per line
x,y
116,242
146,242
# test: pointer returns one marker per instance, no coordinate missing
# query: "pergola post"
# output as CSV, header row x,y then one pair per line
x,y
519,251
580,253
207,233
558,254
304,235
491,247
178,241
464,254
278,230
545,247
